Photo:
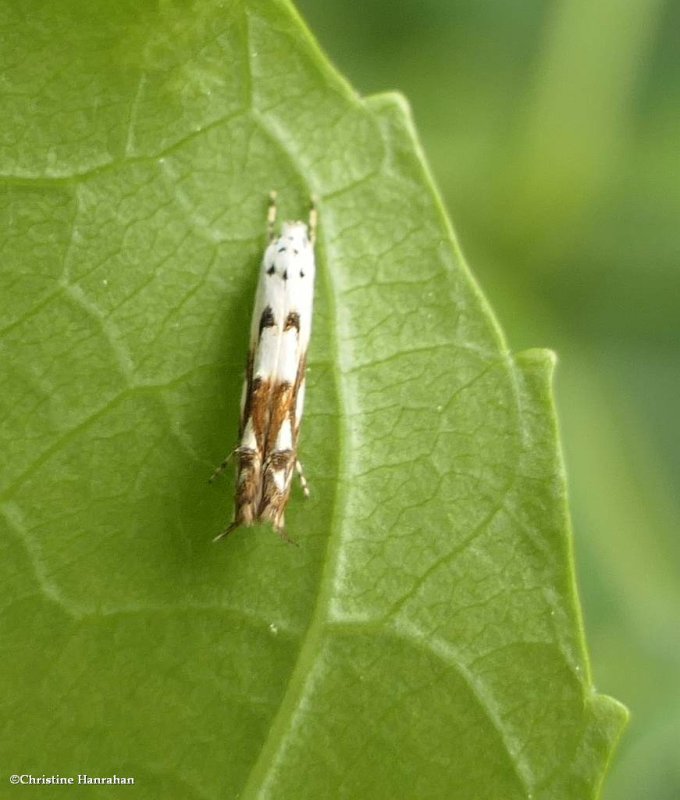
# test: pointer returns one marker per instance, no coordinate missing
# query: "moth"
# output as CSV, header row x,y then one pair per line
x,y
274,388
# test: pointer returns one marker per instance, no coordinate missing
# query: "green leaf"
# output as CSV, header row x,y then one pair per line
x,y
424,641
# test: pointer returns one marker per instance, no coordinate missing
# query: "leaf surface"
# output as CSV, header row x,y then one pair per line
x,y
424,640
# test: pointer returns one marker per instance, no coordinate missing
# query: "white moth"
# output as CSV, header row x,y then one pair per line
x,y
274,387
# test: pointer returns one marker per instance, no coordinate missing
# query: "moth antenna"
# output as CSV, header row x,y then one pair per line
x,y
313,218
271,215
220,469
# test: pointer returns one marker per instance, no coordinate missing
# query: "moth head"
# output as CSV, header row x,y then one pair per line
x,y
290,255
295,233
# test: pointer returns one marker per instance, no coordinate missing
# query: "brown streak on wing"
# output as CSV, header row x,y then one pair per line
x,y
299,380
278,465
260,411
282,399
245,413
274,498
248,487
265,475
302,367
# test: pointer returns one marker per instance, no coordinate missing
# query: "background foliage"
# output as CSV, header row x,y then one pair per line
x,y
552,129
133,171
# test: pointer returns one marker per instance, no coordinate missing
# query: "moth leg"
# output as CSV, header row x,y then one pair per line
x,y
220,469
226,531
313,219
301,475
286,538
271,215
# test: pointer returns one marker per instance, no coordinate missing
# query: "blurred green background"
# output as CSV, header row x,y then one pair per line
x,y
553,132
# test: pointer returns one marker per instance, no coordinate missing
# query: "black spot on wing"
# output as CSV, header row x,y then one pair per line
x,y
292,321
267,319
285,275
271,270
